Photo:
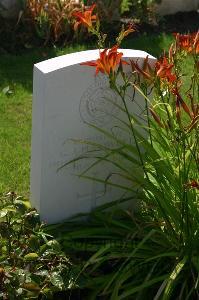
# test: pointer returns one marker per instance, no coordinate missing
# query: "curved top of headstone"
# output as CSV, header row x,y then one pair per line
x,y
67,60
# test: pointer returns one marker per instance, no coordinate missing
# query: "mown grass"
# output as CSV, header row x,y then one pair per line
x,y
15,117
15,109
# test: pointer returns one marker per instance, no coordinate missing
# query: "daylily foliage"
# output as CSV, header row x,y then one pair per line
x,y
159,254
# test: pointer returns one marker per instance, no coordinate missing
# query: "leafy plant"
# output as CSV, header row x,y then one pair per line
x,y
153,251
31,262
52,20
125,6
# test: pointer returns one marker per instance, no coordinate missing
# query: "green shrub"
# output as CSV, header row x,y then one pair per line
x,y
32,264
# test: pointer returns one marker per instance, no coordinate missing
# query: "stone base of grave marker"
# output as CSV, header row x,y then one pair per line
x,y
66,96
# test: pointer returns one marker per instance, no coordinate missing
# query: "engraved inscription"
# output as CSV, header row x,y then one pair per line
x,y
97,104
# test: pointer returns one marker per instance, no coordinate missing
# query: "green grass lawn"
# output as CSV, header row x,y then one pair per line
x,y
15,109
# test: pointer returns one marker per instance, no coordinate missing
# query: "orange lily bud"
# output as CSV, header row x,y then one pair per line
x,y
178,112
146,70
156,118
182,103
131,28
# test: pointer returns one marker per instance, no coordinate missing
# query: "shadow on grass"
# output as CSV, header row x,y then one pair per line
x,y
18,69
153,44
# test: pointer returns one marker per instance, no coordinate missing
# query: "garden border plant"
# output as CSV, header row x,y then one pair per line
x,y
32,264
158,255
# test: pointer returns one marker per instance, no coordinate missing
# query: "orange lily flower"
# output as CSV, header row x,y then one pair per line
x,y
108,61
85,18
163,70
184,42
188,42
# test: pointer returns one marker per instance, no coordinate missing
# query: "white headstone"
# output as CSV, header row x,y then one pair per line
x,y
66,95
169,7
